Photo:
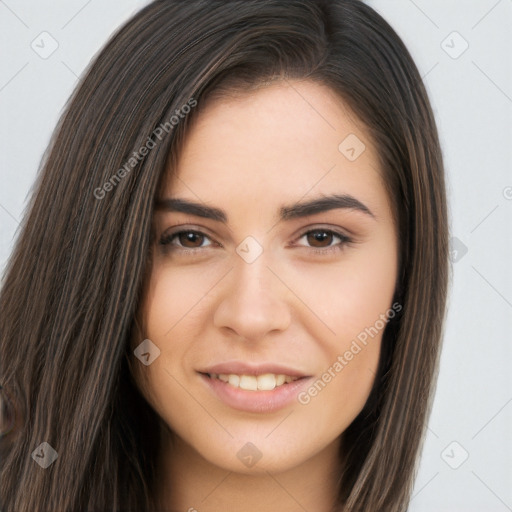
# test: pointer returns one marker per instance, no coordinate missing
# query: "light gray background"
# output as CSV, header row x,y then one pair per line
x,y
471,93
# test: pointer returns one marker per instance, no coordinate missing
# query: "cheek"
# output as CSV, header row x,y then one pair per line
x,y
175,297
340,390
354,300
168,303
349,297
175,309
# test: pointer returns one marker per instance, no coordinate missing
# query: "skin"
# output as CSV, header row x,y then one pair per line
x,y
251,154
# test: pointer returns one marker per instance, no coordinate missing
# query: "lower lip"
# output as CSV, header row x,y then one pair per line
x,y
256,401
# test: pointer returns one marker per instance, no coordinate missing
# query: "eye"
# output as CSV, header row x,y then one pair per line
x,y
323,239
186,239
319,240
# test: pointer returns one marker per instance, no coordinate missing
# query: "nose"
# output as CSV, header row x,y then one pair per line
x,y
253,302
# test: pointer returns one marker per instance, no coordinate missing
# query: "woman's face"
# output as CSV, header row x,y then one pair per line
x,y
274,268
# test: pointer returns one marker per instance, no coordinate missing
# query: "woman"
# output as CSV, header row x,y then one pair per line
x,y
229,291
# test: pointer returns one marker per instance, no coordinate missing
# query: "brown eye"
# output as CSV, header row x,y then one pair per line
x,y
320,238
324,241
185,240
190,239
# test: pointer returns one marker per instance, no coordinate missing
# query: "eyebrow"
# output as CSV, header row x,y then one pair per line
x,y
293,211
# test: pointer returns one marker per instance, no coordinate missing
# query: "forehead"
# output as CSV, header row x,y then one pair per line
x,y
280,142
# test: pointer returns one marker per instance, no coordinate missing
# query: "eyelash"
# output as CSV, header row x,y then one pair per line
x,y
166,241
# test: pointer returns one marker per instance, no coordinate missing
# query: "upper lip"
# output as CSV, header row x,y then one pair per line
x,y
241,368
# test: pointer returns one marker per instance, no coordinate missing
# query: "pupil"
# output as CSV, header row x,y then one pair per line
x,y
318,238
190,239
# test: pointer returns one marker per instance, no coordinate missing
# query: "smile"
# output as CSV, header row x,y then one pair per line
x,y
255,391
264,382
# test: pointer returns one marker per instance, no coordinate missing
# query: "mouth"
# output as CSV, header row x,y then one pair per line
x,y
263,382
264,388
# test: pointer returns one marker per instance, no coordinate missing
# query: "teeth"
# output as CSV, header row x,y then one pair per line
x,y
234,380
249,382
265,382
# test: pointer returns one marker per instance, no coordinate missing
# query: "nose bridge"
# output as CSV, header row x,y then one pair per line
x,y
254,280
253,302
252,276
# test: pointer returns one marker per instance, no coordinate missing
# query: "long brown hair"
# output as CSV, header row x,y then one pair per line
x,y
72,288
